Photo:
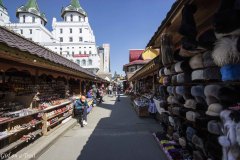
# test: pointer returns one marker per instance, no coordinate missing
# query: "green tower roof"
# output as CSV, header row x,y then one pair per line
x,y
32,4
31,7
1,4
74,7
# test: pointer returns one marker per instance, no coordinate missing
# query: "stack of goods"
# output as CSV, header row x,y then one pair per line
x,y
141,105
200,89
52,121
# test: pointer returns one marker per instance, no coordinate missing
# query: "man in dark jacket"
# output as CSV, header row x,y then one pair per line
x,y
80,109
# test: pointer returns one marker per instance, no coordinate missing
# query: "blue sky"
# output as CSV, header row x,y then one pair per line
x,y
124,24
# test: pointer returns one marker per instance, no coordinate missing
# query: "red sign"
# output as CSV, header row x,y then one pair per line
x,y
81,55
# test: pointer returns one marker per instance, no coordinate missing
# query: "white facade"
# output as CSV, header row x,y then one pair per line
x,y
72,38
106,63
4,18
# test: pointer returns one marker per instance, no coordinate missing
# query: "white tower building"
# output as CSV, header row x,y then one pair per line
x,y
4,18
32,23
74,37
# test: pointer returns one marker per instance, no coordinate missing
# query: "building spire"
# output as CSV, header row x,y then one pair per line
x,y
31,7
1,4
32,4
74,7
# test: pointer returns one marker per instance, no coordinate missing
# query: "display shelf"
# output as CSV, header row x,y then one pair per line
x,y
17,143
59,120
23,129
58,114
14,119
56,106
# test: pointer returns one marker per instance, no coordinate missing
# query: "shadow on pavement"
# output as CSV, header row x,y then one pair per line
x,y
122,136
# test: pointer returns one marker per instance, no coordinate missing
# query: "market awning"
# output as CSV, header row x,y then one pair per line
x,y
150,53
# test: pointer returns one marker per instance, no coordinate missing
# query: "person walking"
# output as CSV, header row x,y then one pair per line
x,y
94,95
80,109
110,89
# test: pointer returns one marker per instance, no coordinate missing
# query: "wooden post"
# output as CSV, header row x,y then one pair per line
x,y
80,81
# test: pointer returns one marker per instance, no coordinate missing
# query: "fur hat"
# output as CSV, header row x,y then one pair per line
x,y
214,127
182,142
208,60
176,110
183,78
225,51
176,136
226,19
207,39
167,49
196,62
198,142
212,91
191,116
184,91
174,79
167,71
214,109
188,25
197,75
212,73
190,103
183,111
190,132
238,133
225,115
230,72
166,80
178,57
229,95
197,155
182,66
198,91
161,72
170,90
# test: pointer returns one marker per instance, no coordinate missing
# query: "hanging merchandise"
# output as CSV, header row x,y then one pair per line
x,y
167,49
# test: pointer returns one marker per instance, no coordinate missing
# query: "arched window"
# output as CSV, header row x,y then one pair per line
x,y
24,18
71,17
65,19
78,61
79,19
85,52
84,62
33,19
89,62
90,52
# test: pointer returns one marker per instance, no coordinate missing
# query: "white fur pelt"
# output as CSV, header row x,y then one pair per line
x,y
225,51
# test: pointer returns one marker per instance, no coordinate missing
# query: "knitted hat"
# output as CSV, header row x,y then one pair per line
x,y
208,60
182,66
183,78
190,103
196,62
197,75
231,72
226,52
214,109
212,74
214,127
191,116
226,19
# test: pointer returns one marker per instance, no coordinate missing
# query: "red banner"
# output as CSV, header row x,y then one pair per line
x,y
81,55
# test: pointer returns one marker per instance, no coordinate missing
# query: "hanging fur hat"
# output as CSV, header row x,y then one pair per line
x,y
196,62
208,60
167,49
225,51
207,39
226,20
230,72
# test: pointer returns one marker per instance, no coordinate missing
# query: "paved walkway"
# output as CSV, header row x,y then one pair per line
x,y
114,132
